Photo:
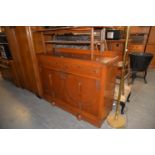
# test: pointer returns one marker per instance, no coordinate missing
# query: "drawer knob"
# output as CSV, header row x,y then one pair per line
x,y
79,117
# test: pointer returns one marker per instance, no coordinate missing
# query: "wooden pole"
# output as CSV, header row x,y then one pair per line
x,y
92,43
147,39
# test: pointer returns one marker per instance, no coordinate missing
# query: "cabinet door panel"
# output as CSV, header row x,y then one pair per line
x,y
90,95
57,84
72,90
46,81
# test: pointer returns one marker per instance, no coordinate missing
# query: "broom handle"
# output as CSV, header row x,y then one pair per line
x,y
122,73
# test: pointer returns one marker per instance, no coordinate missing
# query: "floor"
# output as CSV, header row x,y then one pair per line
x,y
21,109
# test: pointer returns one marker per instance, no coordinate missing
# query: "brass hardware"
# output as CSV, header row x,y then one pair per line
x,y
63,75
50,79
97,84
117,45
79,83
96,71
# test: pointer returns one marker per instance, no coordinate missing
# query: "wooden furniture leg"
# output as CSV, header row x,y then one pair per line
x,y
145,74
38,96
128,99
123,106
133,77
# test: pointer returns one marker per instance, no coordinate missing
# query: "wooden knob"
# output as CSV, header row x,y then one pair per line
x,y
79,117
53,103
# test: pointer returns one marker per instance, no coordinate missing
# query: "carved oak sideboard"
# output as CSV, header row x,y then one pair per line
x,y
80,86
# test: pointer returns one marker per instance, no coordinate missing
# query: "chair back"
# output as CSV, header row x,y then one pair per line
x,y
140,61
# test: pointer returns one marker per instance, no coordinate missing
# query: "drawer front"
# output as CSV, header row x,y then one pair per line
x,y
139,29
91,71
83,70
115,46
136,48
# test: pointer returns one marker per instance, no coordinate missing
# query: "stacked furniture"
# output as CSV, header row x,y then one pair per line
x,y
142,39
70,66
20,39
76,75
78,80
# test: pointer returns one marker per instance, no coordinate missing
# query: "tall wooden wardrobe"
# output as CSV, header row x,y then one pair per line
x,y
21,43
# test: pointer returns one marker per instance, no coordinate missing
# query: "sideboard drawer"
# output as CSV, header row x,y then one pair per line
x,y
136,48
114,46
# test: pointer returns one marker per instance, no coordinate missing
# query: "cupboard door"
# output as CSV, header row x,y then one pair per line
x,y
77,93
57,84
72,90
151,49
46,81
90,99
52,83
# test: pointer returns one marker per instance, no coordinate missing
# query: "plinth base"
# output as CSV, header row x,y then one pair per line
x,y
118,122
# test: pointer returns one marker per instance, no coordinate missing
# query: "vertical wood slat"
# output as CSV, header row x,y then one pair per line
x,y
92,43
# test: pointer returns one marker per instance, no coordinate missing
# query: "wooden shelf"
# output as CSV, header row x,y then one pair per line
x,y
76,33
116,41
70,42
3,43
73,28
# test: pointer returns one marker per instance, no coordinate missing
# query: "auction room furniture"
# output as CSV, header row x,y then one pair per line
x,y
81,81
68,65
21,43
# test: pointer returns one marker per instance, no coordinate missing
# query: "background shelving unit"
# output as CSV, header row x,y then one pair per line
x,y
92,38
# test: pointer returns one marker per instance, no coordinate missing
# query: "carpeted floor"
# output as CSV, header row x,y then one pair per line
x,y
21,109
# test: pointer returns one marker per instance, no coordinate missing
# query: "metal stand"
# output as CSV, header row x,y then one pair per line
x,y
116,120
